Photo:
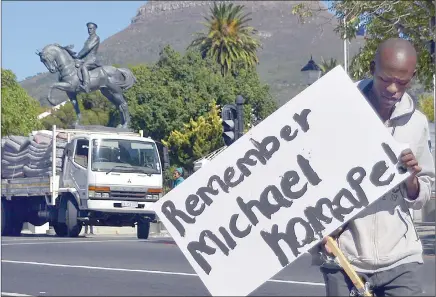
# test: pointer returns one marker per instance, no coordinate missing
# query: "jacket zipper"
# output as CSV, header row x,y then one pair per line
x,y
405,223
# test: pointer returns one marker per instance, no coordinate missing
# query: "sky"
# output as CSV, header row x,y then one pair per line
x,y
28,26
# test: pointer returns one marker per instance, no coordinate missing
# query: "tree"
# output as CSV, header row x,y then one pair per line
x,y
425,105
328,65
195,139
382,20
19,110
229,39
178,88
95,108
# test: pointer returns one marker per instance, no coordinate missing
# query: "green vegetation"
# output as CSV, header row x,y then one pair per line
x,y
384,19
196,139
179,88
328,65
95,108
19,110
425,105
229,39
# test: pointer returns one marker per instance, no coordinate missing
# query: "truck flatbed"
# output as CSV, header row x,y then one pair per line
x,y
26,186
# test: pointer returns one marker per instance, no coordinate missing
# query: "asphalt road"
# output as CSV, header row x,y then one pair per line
x,y
123,266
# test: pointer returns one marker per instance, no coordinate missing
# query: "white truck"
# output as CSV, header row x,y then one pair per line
x,y
102,178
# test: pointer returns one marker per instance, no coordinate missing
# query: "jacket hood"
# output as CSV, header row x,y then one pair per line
x,y
403,110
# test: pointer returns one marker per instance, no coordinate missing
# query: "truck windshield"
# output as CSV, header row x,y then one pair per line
x,y
120,155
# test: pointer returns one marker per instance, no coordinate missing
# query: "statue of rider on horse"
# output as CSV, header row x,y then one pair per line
x,y
82,72
88,55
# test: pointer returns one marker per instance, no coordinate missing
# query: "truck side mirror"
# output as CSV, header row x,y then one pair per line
x,y
166,158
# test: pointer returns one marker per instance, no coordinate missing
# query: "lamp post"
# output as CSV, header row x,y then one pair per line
x,y
312,71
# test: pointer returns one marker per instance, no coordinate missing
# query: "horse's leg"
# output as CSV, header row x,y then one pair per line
x,y
117,98
108,94
62,86
73,99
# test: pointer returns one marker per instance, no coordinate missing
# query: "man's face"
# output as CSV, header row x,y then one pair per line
x,y
91,29
392,77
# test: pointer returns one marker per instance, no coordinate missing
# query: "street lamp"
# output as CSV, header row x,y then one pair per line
x,y
312,71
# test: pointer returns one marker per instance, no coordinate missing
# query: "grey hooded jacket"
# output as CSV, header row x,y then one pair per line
x,y
383,235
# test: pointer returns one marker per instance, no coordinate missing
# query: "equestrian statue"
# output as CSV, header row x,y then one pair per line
x,y
82,72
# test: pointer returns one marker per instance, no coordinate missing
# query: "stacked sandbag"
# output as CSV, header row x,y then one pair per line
x,y
31,156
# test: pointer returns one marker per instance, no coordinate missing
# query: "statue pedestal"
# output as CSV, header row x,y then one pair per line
x,y
98,128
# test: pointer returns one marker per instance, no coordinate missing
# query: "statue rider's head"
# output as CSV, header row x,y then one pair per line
x,y
91,28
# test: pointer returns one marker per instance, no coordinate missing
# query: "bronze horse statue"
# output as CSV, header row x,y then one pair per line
x,y
111,81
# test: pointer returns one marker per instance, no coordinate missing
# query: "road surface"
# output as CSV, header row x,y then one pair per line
x,y
124,265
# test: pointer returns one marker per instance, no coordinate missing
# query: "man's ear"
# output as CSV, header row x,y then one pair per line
x,y
372,67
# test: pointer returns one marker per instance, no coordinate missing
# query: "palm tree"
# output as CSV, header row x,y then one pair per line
x,y
229,40
326,66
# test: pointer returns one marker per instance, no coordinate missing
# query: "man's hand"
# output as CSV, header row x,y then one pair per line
x,y
408,159
333,235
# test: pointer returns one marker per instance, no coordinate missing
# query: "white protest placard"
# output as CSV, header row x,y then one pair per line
x,y
296,177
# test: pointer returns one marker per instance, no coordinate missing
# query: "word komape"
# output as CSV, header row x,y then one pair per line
x,y
195,204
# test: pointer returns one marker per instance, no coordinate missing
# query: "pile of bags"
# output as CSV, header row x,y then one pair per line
x,y
31,156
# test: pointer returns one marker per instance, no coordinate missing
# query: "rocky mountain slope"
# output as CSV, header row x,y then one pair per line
x,y
287,44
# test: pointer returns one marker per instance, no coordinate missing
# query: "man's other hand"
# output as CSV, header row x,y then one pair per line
x,y
408,159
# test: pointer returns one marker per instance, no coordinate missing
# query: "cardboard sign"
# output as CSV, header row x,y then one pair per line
x,y
297,176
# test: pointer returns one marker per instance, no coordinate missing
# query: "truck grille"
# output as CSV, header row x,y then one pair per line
x,y
129,196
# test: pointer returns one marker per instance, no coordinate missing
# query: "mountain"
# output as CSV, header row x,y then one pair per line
x,y
287,44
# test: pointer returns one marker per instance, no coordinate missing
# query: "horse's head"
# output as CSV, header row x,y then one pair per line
x,y
53,56
48,57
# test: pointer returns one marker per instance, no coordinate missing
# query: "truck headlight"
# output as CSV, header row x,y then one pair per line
x,y
98,192
152,197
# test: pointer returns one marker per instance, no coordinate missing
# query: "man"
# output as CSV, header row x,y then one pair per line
x,y
178,177
381,243
88,55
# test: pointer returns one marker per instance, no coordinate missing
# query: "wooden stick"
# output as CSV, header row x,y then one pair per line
x,y
355,279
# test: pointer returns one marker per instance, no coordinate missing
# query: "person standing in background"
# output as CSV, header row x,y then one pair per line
x,y
178,177
91,229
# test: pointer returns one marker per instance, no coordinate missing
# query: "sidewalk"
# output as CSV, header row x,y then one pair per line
x,y
155,230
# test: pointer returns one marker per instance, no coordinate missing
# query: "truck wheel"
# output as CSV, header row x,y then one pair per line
x,y
60,229
3,214
12,219
143,230
71,227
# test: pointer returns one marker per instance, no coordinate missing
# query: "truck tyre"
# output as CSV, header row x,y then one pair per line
x,y
71,227
60,229
3,214
143,230
12,219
